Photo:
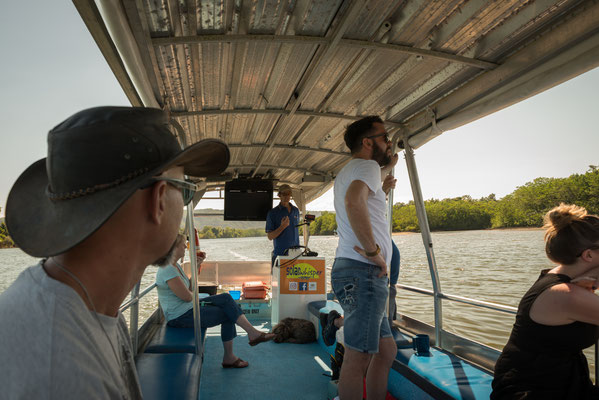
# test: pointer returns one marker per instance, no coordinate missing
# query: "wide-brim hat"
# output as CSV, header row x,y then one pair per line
x,y
96,160
284,188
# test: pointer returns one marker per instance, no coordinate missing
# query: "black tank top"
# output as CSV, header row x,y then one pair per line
x,y
542,361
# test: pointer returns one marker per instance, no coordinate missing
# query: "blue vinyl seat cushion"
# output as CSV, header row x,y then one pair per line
x,y
169,376
324,306
451,374
173,340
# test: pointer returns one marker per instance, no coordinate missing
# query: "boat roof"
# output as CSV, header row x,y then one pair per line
x,y
279,81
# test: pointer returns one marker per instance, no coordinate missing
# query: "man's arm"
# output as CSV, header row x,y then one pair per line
x,y
356,205
387,169
274,234
388,179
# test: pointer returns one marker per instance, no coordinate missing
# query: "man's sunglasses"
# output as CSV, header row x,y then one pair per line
x,y
386,135
188,188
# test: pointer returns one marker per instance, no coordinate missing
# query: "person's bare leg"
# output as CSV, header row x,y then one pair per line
x,y
378,370
252,332
229,357
352,374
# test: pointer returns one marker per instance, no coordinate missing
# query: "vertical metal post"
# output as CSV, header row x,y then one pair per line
x,y
390,222
134,316
596,366
194,280
306,228
426,239
392,293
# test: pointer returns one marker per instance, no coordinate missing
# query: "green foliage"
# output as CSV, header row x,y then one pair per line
x,y
5,239
214,232
524,207
324,225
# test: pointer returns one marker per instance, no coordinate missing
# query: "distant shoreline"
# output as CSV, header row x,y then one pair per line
x,y
465,230
393,234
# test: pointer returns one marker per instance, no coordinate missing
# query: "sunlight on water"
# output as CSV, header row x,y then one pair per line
x,y
494,265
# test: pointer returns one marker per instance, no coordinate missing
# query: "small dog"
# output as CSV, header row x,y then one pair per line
x,y
294,330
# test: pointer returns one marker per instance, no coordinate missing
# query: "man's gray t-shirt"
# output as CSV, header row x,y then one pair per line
x,y
53,347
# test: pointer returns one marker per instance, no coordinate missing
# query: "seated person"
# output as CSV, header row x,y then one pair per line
x,y
175,296
557,318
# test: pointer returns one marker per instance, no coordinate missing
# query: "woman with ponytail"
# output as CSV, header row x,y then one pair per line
x,y
557,318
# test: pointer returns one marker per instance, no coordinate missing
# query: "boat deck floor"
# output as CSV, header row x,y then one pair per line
x,y
276,370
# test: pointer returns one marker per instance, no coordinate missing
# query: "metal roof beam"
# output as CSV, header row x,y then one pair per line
x,y
361,44
275,167
93,20
289,147
273,111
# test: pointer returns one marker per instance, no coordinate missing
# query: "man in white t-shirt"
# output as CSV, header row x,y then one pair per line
x,y
105,203
359,274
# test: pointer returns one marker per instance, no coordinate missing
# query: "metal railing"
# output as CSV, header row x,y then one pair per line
x,y
460,299
133,302
483,304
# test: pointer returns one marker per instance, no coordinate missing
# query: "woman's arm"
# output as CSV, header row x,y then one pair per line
x,y
177,286
565,303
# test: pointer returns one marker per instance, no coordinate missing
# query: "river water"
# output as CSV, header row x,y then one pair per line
x,y
491,265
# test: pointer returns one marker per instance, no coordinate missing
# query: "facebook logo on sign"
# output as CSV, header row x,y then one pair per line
x,y
303,286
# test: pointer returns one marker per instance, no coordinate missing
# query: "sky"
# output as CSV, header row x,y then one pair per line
x,y
50,72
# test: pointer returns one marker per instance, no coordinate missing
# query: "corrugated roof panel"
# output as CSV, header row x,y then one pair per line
x,y
329,76
211,16
266,15
290,65
319,131
251,71
157,16
313,18
198,68
370,19
216,64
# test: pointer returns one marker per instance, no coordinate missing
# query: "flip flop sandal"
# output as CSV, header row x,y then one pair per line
x,y
239,363
260,339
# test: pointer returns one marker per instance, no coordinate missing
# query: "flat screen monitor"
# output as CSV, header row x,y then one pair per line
x,y
247,199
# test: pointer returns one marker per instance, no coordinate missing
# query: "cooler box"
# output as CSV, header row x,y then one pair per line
x,y
254,290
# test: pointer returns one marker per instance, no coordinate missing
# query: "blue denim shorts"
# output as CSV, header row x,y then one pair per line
x,y
363,297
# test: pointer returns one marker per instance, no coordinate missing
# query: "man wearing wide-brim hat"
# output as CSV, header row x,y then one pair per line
x,y
104,204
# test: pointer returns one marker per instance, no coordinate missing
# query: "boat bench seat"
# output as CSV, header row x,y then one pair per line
x,y
324,306
173,340
454,376
168,375
450,376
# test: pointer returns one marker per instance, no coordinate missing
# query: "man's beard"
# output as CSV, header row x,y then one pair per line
x,y
168,258
380,156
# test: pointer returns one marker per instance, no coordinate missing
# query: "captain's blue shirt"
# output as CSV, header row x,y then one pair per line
x,y
290,236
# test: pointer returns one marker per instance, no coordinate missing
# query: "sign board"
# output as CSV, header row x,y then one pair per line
x,y
302,276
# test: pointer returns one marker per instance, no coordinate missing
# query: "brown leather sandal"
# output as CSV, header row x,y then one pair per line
x,y
261,338
239,363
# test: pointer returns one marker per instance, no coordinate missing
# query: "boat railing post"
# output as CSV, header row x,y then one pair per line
x,y
134,316
392,293
426,238
194,278
596,366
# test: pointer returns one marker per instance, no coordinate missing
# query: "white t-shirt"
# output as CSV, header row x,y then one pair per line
x,y
54,348
369,172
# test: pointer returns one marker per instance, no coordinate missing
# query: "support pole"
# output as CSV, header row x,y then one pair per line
x,y
194,279
426,239
306,228
134,317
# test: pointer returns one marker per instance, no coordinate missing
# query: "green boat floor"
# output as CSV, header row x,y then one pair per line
x,y
276,371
